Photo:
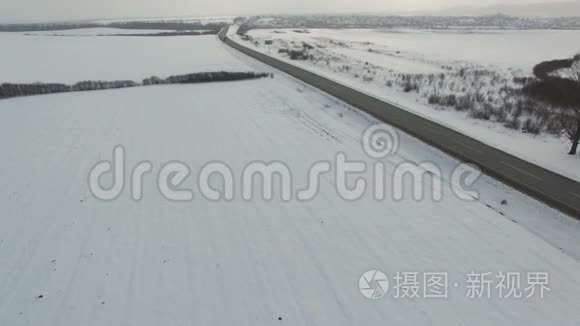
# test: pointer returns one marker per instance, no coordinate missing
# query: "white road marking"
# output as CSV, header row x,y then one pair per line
x,y
575,195
522,171
433,131
468,147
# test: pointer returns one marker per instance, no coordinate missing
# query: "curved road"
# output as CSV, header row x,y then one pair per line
x,y
551,188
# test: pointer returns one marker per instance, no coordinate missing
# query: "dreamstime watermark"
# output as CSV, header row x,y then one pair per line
x,y
419,180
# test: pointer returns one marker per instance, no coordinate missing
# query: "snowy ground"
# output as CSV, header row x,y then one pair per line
x,y
510,48
96,32
69,259
193,19
380,54
72,59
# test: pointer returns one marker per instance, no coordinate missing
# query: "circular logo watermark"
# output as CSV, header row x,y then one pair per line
x,y
380,141
374,284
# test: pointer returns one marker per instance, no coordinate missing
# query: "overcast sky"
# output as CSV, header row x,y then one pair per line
x,y
26,10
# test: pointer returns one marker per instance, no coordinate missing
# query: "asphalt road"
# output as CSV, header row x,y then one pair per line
x,y
551,188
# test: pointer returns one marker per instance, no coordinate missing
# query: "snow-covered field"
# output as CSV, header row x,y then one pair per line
x,y
193,19
366,59
95,32
509,48
67,258
72,59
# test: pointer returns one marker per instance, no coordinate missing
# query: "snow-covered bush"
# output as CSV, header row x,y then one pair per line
x,y
298,54
465,103
532,126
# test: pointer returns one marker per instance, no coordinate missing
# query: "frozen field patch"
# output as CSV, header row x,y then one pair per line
x,y
509,48
73,59
96,32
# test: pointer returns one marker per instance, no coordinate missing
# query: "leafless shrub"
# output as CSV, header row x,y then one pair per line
x,y
532,126
465,103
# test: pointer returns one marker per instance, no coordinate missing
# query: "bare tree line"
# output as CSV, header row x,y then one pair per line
x,y
8,90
